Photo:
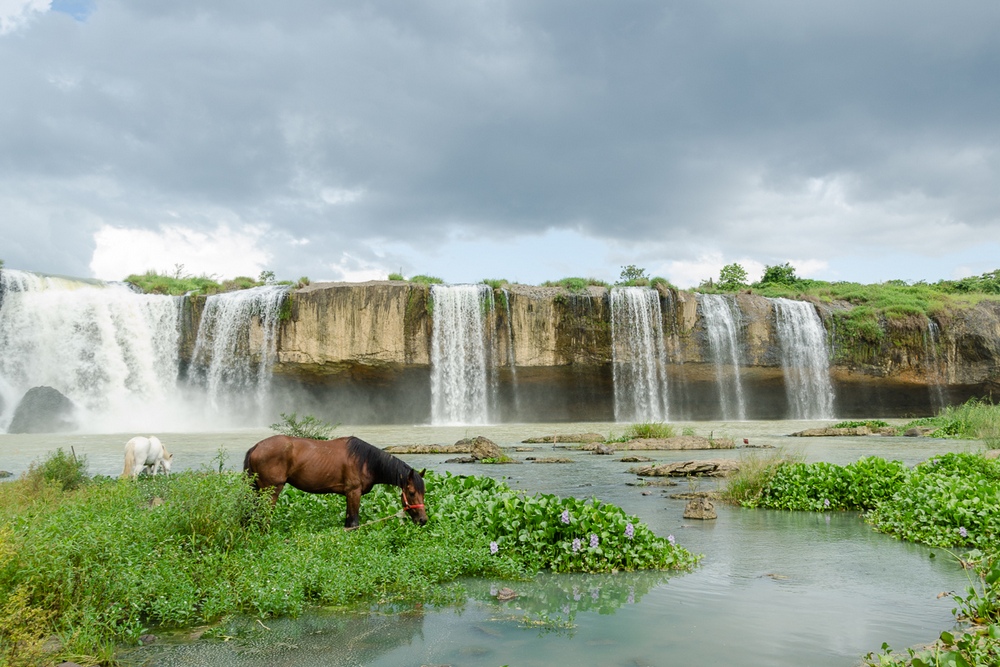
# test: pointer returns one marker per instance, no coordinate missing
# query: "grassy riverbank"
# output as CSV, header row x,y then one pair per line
x,y
95,562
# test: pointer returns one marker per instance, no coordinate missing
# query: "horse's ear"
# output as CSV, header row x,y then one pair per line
x,y
423,472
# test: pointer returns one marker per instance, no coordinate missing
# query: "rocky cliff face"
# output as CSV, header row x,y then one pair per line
x,y
368,346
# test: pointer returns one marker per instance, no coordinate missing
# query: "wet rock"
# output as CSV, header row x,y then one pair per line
x,y
678,442
43,410
478,447
570,438
832,432
700,508
147,639
549,459
505,594
4,474
635,459
603,450
702,468
918,431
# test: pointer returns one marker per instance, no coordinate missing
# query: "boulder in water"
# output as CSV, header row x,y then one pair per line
x,y
43,410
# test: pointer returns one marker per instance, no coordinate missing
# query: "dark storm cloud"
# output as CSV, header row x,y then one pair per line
x,y
643,121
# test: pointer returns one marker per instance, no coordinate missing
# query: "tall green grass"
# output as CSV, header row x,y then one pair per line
x,y
101,563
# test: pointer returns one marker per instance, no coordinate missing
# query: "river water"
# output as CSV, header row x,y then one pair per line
x,y
773,588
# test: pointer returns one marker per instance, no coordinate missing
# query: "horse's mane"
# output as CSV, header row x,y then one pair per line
x,y
385,468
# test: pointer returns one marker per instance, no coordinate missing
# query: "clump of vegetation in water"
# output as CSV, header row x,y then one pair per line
x,y
873,424
101,564
658,430
306,427
976,419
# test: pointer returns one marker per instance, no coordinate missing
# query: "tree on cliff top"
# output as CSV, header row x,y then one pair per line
x,y
780,274
732,277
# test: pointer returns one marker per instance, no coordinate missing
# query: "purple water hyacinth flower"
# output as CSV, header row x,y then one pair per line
x,y
564,517
494,547
594,541
670,538
629,530
826,502
963,532
594,595
576,544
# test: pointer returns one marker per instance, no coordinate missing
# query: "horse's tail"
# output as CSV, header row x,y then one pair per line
x,y
129,459
248,469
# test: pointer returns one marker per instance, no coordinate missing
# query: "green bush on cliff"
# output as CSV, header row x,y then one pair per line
x,y
575,284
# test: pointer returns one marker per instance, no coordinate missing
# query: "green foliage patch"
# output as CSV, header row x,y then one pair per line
x,y
102,563
306,427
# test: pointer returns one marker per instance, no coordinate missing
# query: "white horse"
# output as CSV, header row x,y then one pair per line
x,y
146,455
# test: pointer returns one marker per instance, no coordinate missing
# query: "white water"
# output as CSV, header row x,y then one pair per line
x,y
722,324
462,387
235,351
931,342
111,351
804,359
639,357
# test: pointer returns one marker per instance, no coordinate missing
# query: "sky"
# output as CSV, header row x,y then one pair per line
x,y
489,139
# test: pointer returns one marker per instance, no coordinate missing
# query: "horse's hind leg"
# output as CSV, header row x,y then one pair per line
x,y
276,492
353,509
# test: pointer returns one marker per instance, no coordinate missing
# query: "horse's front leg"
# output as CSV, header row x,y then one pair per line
x,y
353,508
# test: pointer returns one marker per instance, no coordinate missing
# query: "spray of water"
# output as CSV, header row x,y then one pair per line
x,y
804,359
235,351
722,324
462,377
111,351
639,357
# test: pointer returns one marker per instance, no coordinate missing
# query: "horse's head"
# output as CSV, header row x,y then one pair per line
x,y
413,497
166,461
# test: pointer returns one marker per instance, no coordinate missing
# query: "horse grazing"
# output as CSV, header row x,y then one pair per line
x,y
348,466
146,455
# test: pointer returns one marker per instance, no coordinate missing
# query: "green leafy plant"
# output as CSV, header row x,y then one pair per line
x,y
732,277
306,427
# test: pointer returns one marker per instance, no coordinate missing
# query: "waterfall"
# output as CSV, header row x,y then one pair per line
x,y
804,359
110,350
235,350
639,358
462,378
931,342
722,325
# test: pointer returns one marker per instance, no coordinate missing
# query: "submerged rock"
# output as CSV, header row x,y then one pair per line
x,y
570,438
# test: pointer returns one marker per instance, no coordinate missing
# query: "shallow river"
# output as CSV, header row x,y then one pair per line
x,y
773,588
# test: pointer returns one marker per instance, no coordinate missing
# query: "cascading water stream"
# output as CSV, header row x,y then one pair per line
x,y
723,326
110,350
804,359
235,350
639,357
462,378
931,342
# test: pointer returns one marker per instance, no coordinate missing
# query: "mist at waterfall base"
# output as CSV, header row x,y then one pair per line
x,y
133,362
115,354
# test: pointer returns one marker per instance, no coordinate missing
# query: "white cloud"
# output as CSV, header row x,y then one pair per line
x,y
219,253
16,13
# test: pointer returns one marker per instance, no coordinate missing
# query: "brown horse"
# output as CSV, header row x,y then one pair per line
x,y
348,466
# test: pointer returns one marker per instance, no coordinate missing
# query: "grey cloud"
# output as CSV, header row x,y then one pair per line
x,y
640,121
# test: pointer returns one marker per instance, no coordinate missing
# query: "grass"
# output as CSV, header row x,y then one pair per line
x,y
746,486
100,563
657,430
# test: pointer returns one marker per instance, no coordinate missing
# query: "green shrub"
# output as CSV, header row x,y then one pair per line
x,y
68,471
396,276
426,280
306,427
